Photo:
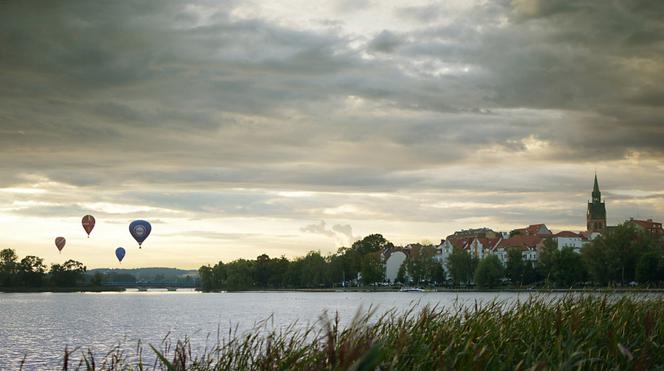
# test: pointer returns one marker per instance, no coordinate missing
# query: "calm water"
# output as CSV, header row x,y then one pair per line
x,y
40,325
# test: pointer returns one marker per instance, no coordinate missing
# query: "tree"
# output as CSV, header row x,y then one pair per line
x,y
278,269
568,267
372,269
530,274
420,265
8,267
437,273
206,278
97,279
401,274
239,275
69,274
597,262
612,258
31,271
547,260
647,269
351,263
372,243
460,266
312,273
489,272
515,266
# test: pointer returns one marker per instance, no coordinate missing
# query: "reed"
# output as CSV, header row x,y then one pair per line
x,y
575,332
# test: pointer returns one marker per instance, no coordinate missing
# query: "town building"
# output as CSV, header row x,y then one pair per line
x,y
652,229
532,230
569,239
596,215
447,246
480,242
528,245
474,233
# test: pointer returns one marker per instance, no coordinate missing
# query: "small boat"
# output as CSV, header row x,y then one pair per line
x,y
411,289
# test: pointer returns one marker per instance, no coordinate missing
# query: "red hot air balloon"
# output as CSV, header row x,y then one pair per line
x,y
60,243
88,222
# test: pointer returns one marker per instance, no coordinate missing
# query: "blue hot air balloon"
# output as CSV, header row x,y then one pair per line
x,y
120,253
140,230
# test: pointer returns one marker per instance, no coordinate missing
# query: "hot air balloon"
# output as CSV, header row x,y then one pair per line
x,y
88,222
60,243
120,253
140,230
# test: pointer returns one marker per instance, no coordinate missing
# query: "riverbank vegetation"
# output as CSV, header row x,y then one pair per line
x,y
575,332
618,259
30,274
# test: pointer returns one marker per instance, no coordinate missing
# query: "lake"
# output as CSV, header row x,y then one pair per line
x,y
40,325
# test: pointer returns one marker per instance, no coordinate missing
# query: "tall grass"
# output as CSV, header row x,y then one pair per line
x,y
575,332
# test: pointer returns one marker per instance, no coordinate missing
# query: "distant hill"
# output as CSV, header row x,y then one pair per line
x,y
147,273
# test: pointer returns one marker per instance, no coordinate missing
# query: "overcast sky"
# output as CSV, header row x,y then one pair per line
x,y
246,127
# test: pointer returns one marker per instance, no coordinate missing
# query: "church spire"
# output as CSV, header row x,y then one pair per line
x,y
597,195
596,216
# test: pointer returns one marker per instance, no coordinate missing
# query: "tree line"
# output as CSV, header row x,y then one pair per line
x,y
615,259
361,264
31,272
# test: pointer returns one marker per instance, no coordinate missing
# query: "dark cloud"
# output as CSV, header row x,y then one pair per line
x,y
384,42
176,107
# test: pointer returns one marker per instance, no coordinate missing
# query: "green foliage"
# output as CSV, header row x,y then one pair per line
x,y
437,273
372,243
69,274
422,267
97,279
8,267
461,266
613,257
372,268
575,332
546,263
647,269
561,268
239,275
489,272
568,268
401,274
31,271
311,271
516,268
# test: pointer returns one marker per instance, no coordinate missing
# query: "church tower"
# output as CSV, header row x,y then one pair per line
x,y
596,216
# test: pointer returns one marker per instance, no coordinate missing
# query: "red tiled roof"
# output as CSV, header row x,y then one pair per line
x,y
534,228
531,230
647,224
522,242
460,243
489,243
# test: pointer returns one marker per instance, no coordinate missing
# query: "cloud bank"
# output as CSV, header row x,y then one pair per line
x,y
410,121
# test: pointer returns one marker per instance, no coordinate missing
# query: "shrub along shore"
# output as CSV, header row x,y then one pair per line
x,y
574,332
